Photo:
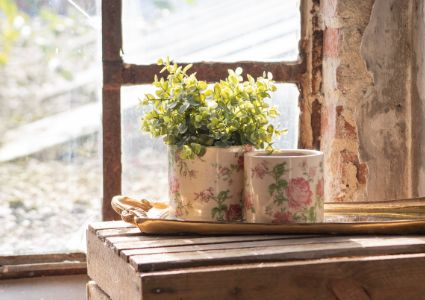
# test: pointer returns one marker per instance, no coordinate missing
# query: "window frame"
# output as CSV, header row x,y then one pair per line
x,y
306,73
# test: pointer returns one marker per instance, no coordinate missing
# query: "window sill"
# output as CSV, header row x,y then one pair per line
x,y
22,266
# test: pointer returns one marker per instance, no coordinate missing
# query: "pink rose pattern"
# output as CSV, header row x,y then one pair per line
x,y
205,196
223,211
280,217
299,193
225,173
234,213
300,205
260,170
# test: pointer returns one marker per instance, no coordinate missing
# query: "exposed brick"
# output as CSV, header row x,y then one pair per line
x,y
349,157
330,44
344,130
362,173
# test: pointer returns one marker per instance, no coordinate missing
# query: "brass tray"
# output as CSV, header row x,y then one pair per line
x,y
385,217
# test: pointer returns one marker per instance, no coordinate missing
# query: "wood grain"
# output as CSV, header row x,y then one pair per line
x,y
42,269
94,292
20,266
127,264
277,241
378,278
118,279
299,250
192,241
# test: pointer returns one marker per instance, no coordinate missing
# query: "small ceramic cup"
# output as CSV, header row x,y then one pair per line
x,y
283,187
207,188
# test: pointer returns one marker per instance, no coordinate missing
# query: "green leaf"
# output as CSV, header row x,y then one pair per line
x,y
279,199
182,128
279,169
187,68
196,148
282,183
171,105
272,188
202,151
312,214
184,107
214,212
223,195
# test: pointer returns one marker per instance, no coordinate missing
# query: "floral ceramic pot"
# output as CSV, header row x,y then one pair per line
x,y
207,188
284,187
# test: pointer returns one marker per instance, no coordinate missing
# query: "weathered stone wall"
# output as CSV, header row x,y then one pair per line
x,y
373,99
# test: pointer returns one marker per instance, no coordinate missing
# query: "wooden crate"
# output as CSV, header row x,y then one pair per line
x,y
94,292
128,265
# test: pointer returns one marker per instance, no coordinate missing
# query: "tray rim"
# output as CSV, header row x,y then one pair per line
x,y
135,212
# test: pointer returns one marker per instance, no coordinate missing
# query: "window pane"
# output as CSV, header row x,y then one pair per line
x,y
196,30
145,159
50,172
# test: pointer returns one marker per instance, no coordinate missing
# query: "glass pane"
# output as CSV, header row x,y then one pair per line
x,y
145,159
50,171
196,30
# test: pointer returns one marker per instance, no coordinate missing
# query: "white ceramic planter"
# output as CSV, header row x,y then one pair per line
x,y
284,187
209,188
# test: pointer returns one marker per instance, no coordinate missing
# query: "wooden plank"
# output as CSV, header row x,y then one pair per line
x,y
350,246
113,240
42,269
378,278
213,246
196,240
41,258
109,225
94,292
130,231
118,279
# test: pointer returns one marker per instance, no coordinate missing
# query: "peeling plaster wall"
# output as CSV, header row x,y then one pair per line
x,y
385,112
374,104
345,81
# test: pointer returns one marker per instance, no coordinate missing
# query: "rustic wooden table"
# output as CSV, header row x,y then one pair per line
x,y
124,264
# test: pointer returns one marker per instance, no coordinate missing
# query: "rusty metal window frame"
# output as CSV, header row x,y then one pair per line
x,y
305,73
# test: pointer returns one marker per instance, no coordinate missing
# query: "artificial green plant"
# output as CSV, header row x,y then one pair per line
x,y
188,113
